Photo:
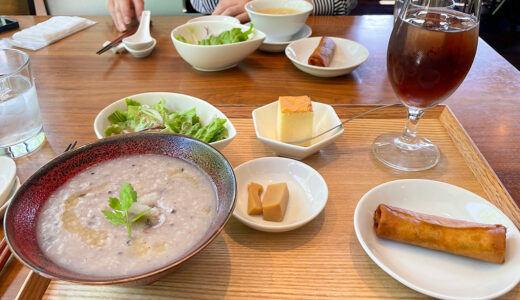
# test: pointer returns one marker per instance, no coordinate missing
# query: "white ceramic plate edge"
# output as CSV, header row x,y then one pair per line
x,y
14,188
397,277
8,172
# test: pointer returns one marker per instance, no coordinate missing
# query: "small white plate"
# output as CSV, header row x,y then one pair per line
x,y
324,118
269,46
431,272
308,191
7,175
347,56
14,188
215,18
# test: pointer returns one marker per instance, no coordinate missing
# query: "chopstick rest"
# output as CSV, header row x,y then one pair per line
x,y
48,32
118,49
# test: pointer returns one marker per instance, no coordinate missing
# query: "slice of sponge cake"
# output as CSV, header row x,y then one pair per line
x,y
294,119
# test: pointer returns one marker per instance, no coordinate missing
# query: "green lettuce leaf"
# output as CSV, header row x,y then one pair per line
x,y
234,35
139,117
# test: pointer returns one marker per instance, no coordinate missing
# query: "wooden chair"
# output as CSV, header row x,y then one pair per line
x,y
98,7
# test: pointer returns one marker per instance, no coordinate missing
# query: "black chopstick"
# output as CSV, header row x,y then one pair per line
x,y
118,40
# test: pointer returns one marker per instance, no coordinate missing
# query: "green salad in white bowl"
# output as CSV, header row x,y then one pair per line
x,y
166,112
214,45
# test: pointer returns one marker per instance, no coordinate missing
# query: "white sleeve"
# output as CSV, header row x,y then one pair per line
x,y
333,7
204,6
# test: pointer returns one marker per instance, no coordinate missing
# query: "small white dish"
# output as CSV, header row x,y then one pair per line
x,y
141,53
215,18
269,46
141,39
173,102
14,188
308,192
435,273
213,57
7,177
324,118
347,57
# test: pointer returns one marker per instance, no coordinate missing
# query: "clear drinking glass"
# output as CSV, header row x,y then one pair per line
x,y
21,129
430,51
398,5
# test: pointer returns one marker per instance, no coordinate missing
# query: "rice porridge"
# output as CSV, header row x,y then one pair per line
x,y
73,232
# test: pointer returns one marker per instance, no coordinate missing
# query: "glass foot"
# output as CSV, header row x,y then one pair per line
x,y
419,155
25,147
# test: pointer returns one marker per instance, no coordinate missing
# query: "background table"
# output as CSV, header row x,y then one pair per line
x,y
74,84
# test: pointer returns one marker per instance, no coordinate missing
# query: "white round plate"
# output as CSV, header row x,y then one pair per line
x,y
431,272
7,175
347,56
269,46
308,191
14,188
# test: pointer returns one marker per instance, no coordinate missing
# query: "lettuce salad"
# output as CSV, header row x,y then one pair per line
x,y
139,117
234,35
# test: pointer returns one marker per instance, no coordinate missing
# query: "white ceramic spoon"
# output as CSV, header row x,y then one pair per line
x,y
141,39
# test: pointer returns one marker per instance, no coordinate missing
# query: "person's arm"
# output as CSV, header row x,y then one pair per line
x,y
333,7
233,8
123,11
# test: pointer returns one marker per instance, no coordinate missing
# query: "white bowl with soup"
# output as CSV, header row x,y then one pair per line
x,y
278,19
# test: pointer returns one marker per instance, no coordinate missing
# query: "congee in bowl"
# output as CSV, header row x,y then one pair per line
x,y
123,209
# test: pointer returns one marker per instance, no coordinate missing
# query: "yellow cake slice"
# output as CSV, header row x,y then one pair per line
x,y
294,119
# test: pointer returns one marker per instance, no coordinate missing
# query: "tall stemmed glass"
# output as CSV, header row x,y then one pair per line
x,y
430,51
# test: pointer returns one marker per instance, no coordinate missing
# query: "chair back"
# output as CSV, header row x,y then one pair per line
x,y
98,7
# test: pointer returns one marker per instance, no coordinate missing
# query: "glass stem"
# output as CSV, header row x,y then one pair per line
x,y
410,129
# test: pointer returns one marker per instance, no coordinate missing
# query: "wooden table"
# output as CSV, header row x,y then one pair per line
x,y
74,83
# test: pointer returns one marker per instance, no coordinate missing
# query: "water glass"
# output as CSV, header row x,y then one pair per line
x,y
21,130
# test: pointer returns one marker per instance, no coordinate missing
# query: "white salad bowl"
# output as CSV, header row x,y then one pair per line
x,y
324,118
213,57
173,102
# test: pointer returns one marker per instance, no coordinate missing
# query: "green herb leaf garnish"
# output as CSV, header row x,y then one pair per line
x,y
119,213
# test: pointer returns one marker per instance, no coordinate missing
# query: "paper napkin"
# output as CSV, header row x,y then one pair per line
x,y
48,32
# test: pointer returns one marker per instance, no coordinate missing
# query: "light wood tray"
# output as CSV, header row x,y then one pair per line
x,y
323,258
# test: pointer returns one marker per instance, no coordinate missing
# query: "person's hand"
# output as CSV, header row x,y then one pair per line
x,y
233,8
123,11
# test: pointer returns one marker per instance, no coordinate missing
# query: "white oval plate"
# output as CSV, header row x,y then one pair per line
x,y
308,191
347,56
14,188
269,46
7,175
431,272
173,102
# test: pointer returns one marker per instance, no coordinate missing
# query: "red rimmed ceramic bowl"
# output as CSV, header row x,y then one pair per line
x,y
21,217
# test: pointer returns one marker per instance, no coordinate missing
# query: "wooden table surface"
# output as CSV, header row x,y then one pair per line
x,y
73,84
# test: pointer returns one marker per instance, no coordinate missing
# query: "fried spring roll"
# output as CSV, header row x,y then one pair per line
x,y
322,55
480,241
